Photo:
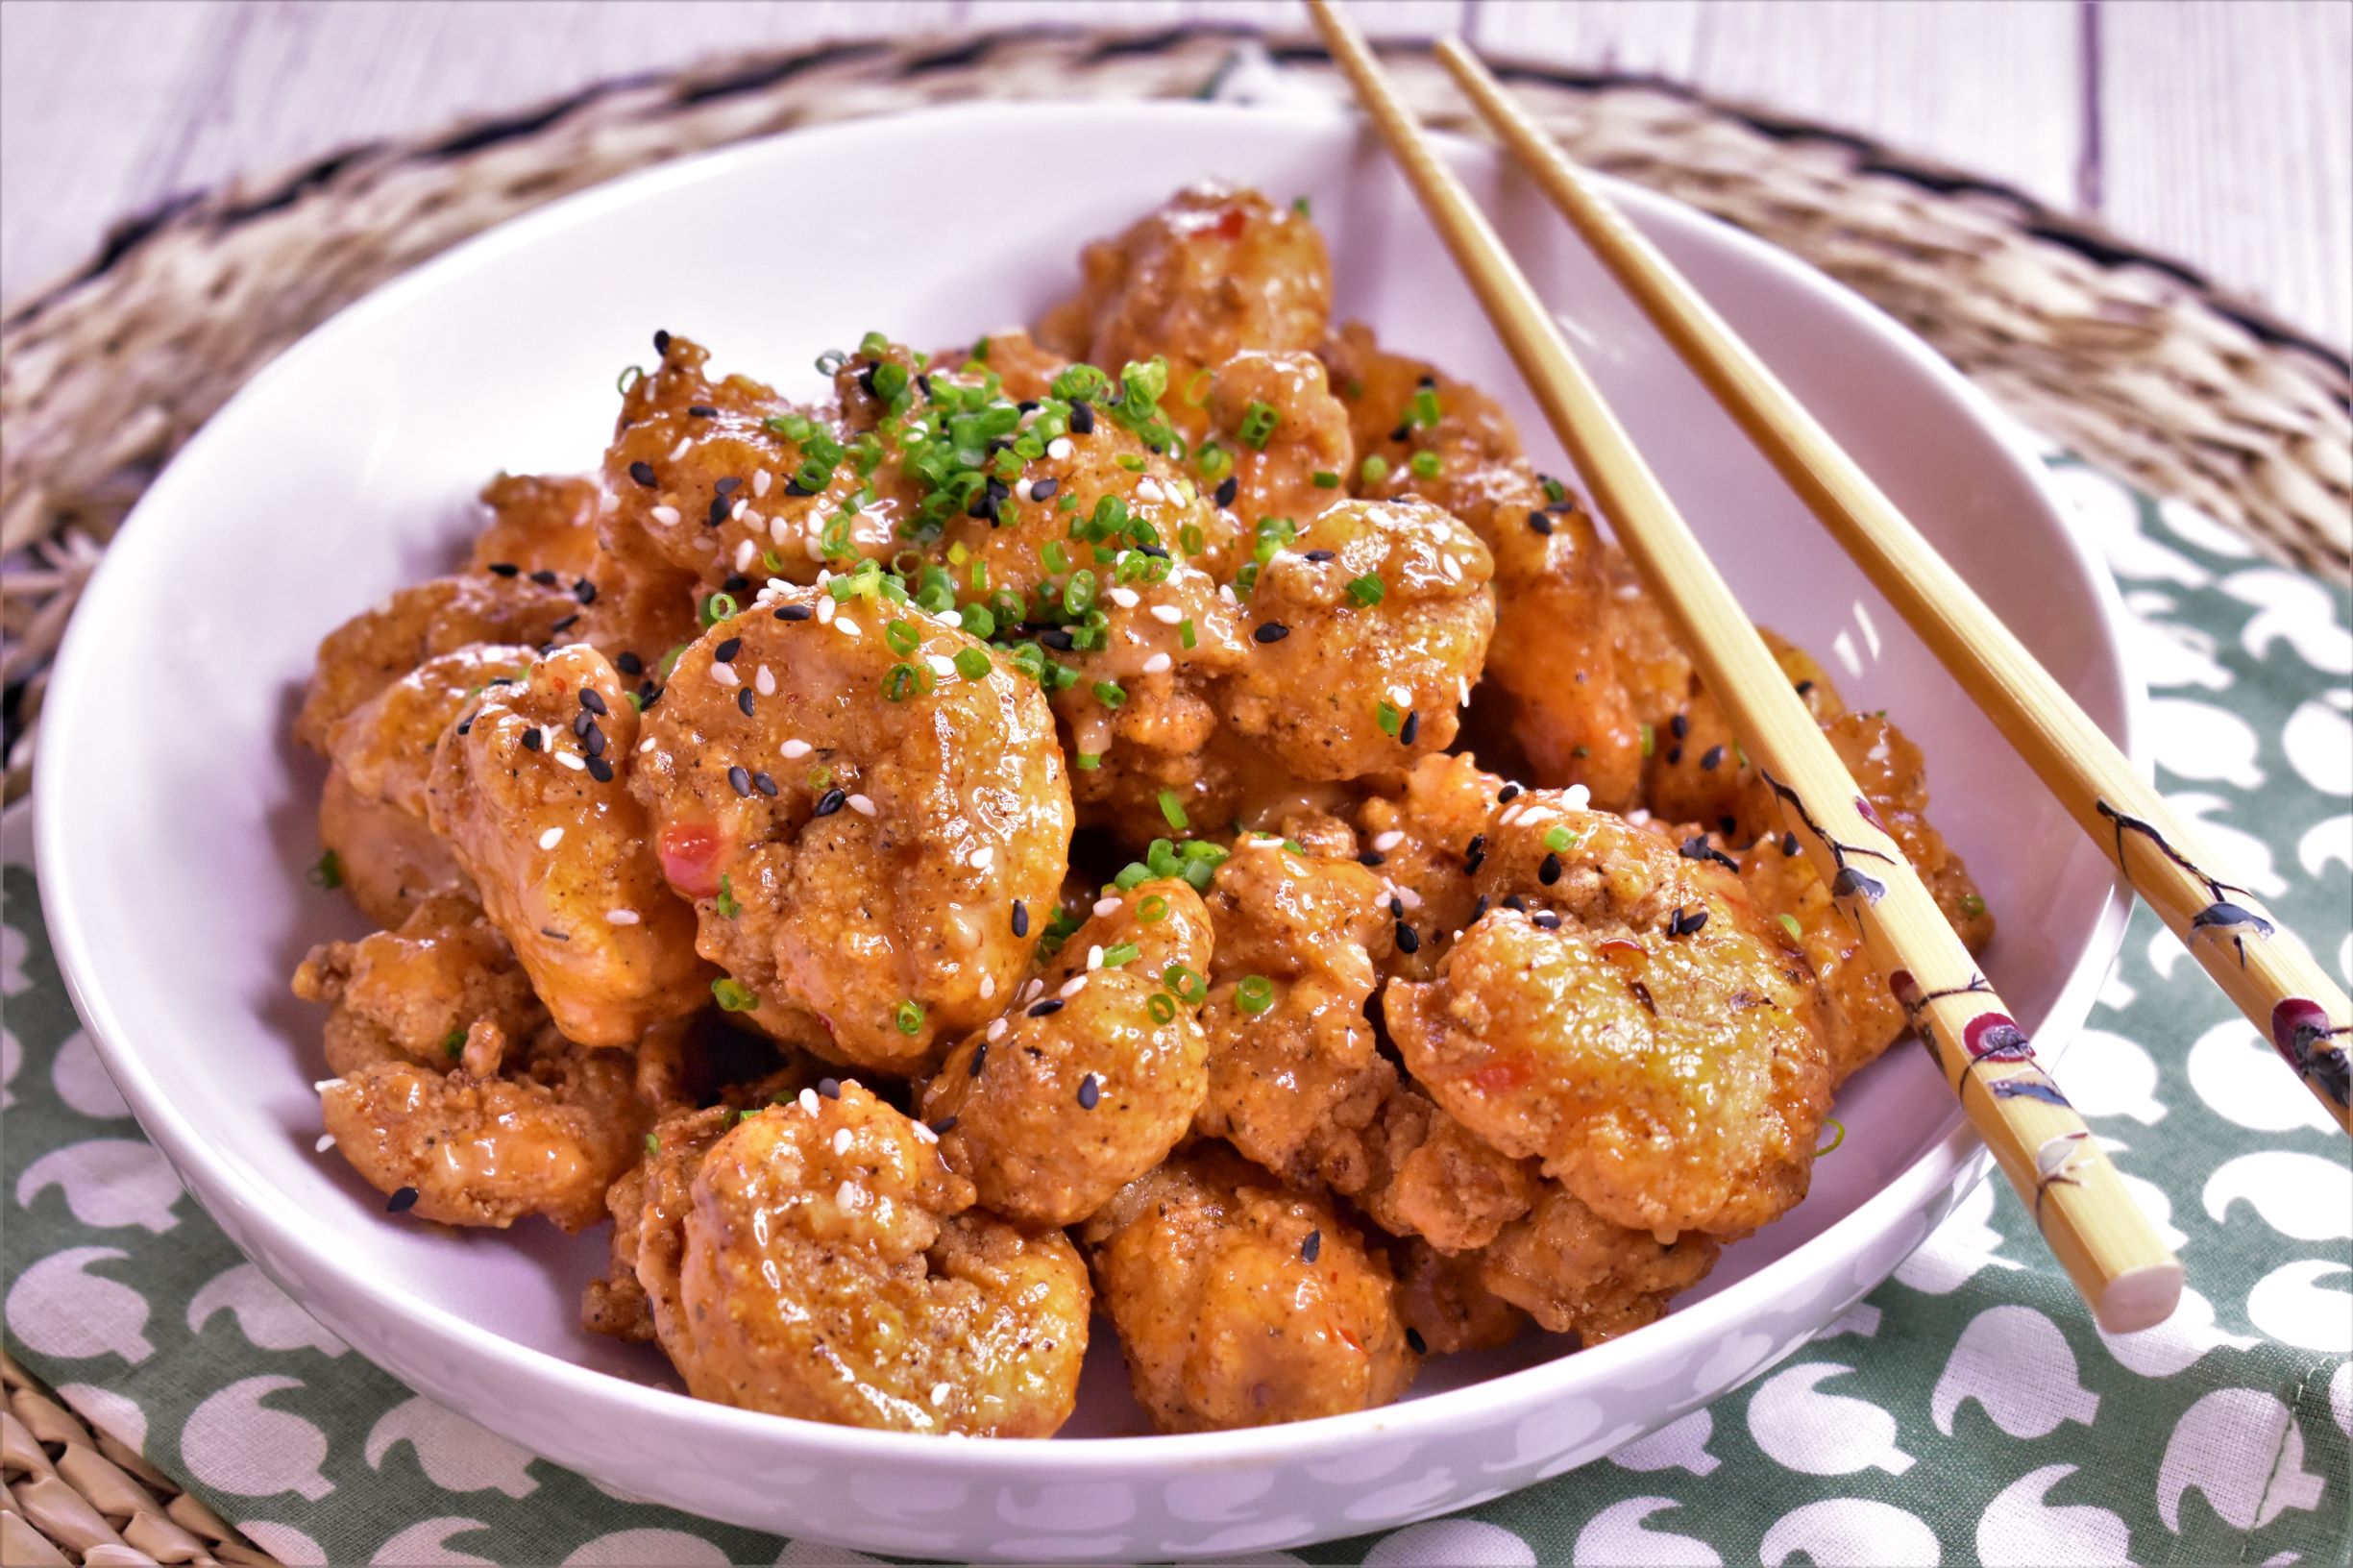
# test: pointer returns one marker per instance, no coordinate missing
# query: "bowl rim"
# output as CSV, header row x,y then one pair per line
x,y
1953,1157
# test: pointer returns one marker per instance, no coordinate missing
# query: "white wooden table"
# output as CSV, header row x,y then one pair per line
x,y
2218,131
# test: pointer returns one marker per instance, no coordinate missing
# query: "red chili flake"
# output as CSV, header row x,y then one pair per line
x,y
1230,226
1499,1077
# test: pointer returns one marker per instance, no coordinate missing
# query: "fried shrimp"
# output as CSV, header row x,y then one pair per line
x,y
1369,627
1075,1092
828,1265
1241,1303
442,989
856,800
1575,1272
1274,418
1295,1075
540,523
377,646
1626,1016
545,1137
1427,839
528,792
389,861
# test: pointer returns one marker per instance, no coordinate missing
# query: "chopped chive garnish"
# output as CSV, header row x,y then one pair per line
x,y
1367,589
971,664
1161,1006
1258,426
1374,469
1650,740
728,909
1559,839
1390,718
1326,479
909,1017
453,1045
1124,953
1173,809
1425,465
328,873
1151,909
1789,923
1186,983
733,995
1255,995
1110,693
1090,760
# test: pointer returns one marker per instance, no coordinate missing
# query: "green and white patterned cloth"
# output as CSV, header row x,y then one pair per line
x,y
1967,1412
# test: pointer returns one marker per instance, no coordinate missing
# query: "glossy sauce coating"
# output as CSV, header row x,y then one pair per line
x,y
381,644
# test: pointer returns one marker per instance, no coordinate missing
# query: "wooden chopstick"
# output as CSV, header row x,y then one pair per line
x,y
2271,975
2089,1221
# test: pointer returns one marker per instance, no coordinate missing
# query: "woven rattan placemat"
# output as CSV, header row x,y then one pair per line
x,y
2133,359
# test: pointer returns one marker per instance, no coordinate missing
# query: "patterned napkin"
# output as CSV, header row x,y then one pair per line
x,y
1968,1411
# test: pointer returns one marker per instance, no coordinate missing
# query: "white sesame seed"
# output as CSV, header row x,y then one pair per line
x,y
777,527
863,805
1126,598
667,516
982,858
570,760
988,987
760,481
1402,696
686,443
621,917
1030,991
750,519
1390,840
725,673
550,838
1450,567
745,552
825,607
808,1101
1074,988
924,1132
1408,897
1148,488
847,1195
950,618
764,681
1158,664
609,502
793,749
996,1031
743,504
844,625
1020,492
1107,906
1463,691
843,1137
325,1083
1575,796
1225,592
327,1140
1167,615
939,1395
941,665
1059,447
646,744
1094,957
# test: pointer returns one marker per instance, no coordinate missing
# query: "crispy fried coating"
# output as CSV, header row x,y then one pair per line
x,y
1428,837
389,859
539,522
1445,1301
378,645
1241,1303
1575,1272
1274,417
443,988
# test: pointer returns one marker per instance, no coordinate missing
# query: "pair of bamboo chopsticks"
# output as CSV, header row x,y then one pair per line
x,y
2098,1234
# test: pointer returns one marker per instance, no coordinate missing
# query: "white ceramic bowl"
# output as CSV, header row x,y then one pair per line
x,y
176,818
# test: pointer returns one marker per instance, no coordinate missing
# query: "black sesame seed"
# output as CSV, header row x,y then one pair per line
x,y
1674,754
1417,1343
1227,489
829,1088
504,568
1789,843
1370,857
1548,872
593,701
465,724
543,577
1312,1247
766,784
581,722
661,344
565,624
628,664
735,583
727,486
1082,417
1088,1092
647,695
533,741
717,513
727,648
1506,795
943,1126
1477,910
1052,1005
1407,940
1512,900
1021,919
1057,638
1540,523
1805,687
793,612
924,382
1679,724
831,801
738,779
794,487
1727,825
1044,489
1426,381
865,381
743,701
1273,631
1410,730
1545,920
980,1060
1404,429
1320,555
600,769
1713,756
1397,906
401,1202
701,410
643,472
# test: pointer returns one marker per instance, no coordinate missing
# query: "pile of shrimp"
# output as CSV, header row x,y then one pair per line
x,y
1166,810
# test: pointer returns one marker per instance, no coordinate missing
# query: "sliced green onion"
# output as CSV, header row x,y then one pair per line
x,y
1367,589
1326,479
328,873
1258,426
1110,693
902,637
1391,720
727,906
1374,469
971,664
1789,923
1255,995
1425,465
1650,740
1161,1006
908,1016
1173,809
733,995
1124,953
453,1044
1186,983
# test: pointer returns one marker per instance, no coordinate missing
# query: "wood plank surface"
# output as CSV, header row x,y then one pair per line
x,y
2220,131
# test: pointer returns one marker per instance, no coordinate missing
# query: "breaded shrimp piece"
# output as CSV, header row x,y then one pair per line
x,y
443,988
375,647
389,860
548,1136
1445,1301
539,522
1275,417
1241,1303
1552,654
1025,369
1433,1178
1210,272
1070,1096
830,1270
649,1205
1575,1272
528,793
642,608
1696,770
384,747
1628,1017
1369,628
875,809
1296,1076
1427,839
1227,780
